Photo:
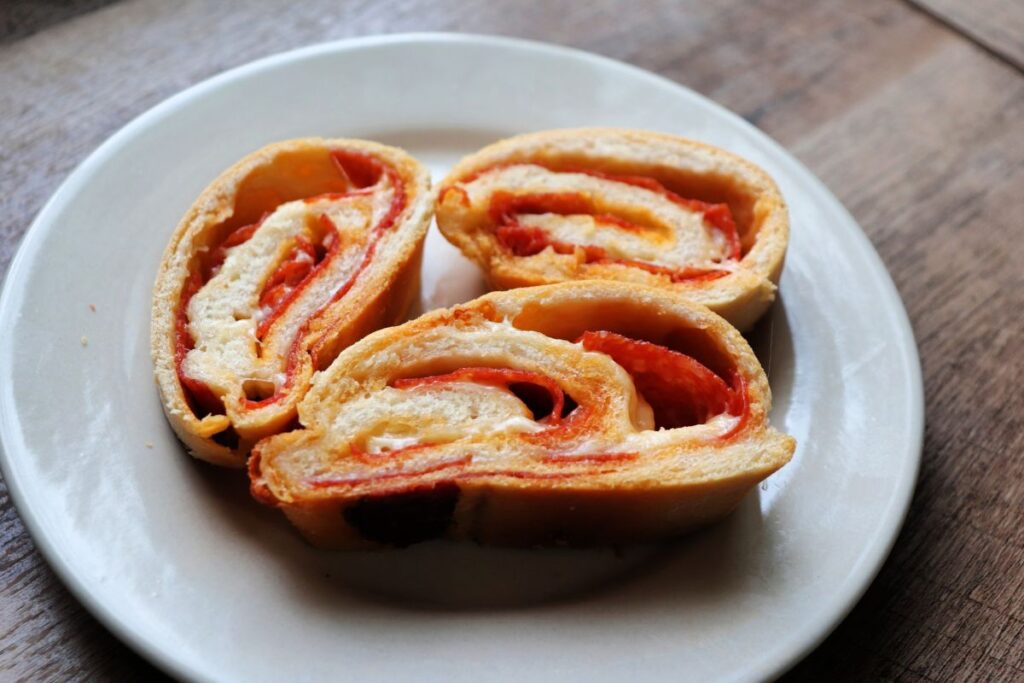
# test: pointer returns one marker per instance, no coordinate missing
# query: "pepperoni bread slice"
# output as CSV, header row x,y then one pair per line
x,y
581,413
288,257
624,205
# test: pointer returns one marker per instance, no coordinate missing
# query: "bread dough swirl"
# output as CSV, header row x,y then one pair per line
x,y
289,256
620,205
579,412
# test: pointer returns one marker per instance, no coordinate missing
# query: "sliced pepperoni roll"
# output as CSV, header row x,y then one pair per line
x,y
285,259
582,413
631,206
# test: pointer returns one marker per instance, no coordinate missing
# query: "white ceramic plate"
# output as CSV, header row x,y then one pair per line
x,y
172,555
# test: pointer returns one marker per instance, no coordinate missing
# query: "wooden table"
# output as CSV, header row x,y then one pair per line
x,y
912,113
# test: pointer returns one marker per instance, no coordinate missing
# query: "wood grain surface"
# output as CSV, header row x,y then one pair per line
x,y
914,119
996,25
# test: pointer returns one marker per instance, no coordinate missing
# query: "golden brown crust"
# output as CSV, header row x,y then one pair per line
x,y
690,169
284,188
383,458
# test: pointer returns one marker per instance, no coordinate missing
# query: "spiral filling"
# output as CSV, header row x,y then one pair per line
x,y
312,242
453,425
604,219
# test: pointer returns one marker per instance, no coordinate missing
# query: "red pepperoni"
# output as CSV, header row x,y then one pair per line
x,y
393,474
239,236
680,390
288,276
524,240
294,274
718,215
359,171
506,206
398,202
501,377
196,392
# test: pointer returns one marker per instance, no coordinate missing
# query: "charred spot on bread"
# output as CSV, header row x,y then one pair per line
x,y
540,401
400,519
228,438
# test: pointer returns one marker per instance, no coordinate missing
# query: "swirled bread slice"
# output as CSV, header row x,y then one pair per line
x,y
584,412
631,206
289,256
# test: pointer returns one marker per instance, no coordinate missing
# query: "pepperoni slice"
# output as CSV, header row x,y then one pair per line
x,y
358,171
718,215
362,170
239,236
505,206
523,240
680,390
291,276
196,393
403,473
547,406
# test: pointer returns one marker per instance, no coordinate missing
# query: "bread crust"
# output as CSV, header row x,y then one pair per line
x,y
611,475
290,183
691,169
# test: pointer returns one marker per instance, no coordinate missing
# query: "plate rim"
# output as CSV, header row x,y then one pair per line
x,y
808,636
